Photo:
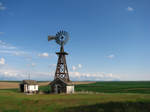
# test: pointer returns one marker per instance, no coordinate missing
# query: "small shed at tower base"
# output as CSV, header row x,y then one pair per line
x,y
60,86
29,86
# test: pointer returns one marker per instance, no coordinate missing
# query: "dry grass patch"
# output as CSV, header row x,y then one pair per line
x,y
9,85
43,83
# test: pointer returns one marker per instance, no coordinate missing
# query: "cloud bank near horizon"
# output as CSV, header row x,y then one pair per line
x,y
14,74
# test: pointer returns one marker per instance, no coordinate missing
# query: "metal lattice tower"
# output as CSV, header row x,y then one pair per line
x,y
61,69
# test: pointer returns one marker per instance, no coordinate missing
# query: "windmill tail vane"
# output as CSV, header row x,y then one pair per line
x,y
51,38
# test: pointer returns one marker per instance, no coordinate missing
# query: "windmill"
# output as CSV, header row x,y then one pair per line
x,y
61,82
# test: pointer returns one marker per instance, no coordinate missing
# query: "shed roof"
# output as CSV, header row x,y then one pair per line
x,y
29,82
67,83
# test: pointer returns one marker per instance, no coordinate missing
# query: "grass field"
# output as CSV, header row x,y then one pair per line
x,y
111,87
111,97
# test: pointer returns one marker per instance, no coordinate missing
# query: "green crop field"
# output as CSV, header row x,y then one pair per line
x,y
117,87
105,97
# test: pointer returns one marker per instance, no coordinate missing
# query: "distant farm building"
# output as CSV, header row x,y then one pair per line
x,y
29,86
60,86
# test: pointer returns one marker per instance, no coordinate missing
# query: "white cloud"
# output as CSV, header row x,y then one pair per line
x,y
73,68
52,65
9,49
43,54
2,61
13,52
93,76
79,66
76,67
1,33
111,56
8,73
130,9
5,46
2,7
33,64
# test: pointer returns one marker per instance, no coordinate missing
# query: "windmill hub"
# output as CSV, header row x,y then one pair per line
x,y
62,38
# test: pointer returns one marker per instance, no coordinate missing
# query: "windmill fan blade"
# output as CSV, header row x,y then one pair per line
x,y
51,38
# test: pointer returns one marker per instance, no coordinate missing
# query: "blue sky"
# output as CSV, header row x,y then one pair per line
x,y
109,39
